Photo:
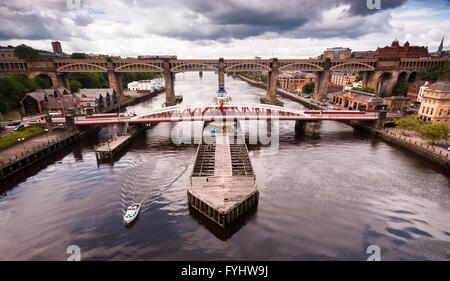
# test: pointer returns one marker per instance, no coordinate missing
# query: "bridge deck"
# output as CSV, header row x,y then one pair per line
x,y
231,190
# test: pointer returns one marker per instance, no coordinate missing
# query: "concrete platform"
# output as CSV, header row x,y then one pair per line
x,y
231,190
108,149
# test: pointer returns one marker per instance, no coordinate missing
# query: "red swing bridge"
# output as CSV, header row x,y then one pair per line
x,y
225,112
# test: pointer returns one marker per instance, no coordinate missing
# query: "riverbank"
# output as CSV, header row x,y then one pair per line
x,y
21,155
434,153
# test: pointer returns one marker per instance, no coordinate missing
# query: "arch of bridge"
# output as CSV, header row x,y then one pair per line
x,y
67,66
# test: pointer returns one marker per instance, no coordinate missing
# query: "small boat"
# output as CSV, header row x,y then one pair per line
x,y
132,213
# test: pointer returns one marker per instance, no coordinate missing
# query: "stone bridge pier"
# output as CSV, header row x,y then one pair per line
x,y
272,81
170,90
115,79
322,79
221,74
308,128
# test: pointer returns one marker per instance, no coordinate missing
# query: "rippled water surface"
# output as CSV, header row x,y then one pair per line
x,y
320,198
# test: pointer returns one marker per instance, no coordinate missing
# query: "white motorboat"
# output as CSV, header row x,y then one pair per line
x,y
131,213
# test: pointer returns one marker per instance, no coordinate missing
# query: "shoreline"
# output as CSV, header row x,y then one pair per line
x,y
20,161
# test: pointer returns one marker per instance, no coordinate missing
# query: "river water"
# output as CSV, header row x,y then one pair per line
x,y
322,198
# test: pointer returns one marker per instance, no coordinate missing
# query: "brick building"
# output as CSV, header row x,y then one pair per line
x,y
295,81
413,92
397,51
397,104
357,100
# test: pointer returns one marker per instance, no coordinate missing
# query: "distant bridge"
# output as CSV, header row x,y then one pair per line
x,y
380,74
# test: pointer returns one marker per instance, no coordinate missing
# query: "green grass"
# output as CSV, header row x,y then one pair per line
x,y
27,133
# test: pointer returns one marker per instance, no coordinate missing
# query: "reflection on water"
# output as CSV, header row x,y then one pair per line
x,y
328,197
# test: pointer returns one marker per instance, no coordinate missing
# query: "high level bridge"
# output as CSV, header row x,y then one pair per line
x,y
380,74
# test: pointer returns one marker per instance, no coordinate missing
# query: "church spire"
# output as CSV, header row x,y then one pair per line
x,y
441,46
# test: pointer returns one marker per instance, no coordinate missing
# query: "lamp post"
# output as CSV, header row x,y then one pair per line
x,y
46,134
22,140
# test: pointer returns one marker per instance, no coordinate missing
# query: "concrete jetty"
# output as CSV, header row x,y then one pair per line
x,y
108,149
223,185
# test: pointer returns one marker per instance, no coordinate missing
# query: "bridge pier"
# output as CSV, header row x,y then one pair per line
x,y
115,82
63,80
309,128
169,77
272,81
322,79
381,119
221,74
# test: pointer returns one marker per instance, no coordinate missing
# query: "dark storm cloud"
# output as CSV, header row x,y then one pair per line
x,y
359,7
241,19
194,19
38,20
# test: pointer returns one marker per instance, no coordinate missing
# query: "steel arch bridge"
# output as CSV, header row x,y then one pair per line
x,y
226,112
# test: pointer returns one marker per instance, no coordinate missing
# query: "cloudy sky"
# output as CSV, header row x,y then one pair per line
x,y
221,28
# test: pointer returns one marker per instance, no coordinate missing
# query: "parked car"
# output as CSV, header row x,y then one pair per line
x,y
19,128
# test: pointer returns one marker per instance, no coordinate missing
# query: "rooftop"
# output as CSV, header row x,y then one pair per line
x,y
440,86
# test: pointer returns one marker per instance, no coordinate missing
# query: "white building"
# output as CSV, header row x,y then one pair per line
x,y
146,85
357,84
421,91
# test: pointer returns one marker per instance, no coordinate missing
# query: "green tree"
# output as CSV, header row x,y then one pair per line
x,y
360,76
309,88
410,122
366,90
75,86
263,78
434,132
78,56
41,83
26,52
435,73
400,89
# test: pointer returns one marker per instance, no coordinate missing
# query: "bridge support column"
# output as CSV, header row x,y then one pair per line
x,y
381,118
221,75
322,79
272,80
115,82
170,90
309,128
63,81
70,122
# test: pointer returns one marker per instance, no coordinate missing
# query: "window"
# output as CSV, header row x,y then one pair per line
x,y
440,112
427,110
431,112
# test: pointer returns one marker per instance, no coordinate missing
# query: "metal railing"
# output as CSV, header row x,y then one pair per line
x,y
28,151
435,148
